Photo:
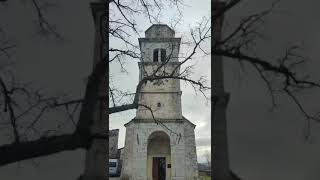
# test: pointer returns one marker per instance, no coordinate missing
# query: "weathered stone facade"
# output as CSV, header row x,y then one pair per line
x,y
113,143
172,136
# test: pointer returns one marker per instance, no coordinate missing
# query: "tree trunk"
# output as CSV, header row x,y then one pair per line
x,y
220,157
96,163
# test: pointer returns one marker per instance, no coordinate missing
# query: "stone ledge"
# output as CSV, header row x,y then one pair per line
x,y
161,92
159,63
167,39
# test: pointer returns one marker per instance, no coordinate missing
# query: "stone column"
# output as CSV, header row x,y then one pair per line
x,y
126,171
191,171
178,156
139,167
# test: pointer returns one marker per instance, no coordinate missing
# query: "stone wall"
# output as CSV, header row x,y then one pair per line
x,y
163,85
183,157
162,96
190,151
149,45
163,105
113,143
159,31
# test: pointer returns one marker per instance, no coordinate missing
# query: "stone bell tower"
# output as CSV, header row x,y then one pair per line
x,y
162,146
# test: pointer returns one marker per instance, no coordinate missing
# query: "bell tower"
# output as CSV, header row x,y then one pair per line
x,y
160,51
164,149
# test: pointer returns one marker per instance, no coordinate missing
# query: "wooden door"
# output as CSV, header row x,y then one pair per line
x,y
159,168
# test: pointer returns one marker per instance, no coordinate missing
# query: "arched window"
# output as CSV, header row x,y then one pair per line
x,y
163,55
155,55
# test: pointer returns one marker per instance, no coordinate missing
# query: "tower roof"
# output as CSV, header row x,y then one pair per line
x,y
159,31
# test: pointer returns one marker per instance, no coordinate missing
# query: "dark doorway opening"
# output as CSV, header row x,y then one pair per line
x,y
159,168
155,55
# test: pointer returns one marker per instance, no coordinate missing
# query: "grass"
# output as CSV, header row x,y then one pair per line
x,y
205,177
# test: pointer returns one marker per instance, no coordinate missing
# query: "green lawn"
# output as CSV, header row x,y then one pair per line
x,y
205,177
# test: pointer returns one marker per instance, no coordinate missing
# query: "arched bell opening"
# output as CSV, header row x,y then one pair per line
x,y
159,55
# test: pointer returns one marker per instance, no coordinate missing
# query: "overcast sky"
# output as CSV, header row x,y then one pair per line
x,y
263,145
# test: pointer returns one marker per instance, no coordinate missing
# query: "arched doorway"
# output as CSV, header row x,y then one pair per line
x,y
158,156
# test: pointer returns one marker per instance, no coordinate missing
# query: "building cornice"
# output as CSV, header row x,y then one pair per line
x,y
161,92
161,39
183,120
